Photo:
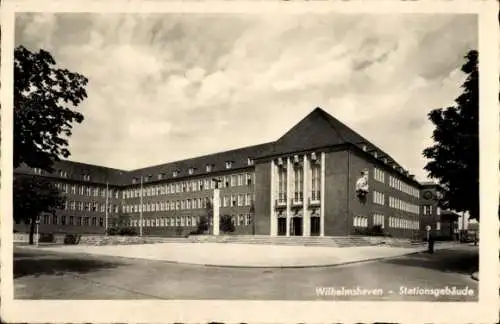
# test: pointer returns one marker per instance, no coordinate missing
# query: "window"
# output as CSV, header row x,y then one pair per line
x,y
37,171
63,174
378,198
63,220
379,175
250,161
282,184
175,173
438,226
94,221
248,220
360,221
101,222
229,164
86,177
248,199
209,167
249,179
378,219
298,177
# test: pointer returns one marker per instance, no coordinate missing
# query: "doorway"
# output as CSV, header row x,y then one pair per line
x,y
296,226
315,226
281,226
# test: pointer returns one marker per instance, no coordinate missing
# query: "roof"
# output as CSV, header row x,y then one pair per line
x,y
317,130
239,159
76,171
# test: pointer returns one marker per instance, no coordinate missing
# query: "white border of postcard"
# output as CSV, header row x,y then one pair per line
x,y
185,311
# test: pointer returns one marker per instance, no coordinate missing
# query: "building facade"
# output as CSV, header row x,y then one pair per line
x,y
303,184
442,223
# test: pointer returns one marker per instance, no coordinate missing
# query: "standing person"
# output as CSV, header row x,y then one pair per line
x,y
431,244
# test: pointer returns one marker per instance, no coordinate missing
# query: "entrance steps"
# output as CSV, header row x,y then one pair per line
x,y
326,241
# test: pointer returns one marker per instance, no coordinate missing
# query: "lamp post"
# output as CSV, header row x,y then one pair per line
x,y
37,222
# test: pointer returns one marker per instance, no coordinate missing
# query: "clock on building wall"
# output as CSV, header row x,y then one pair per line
x,y
428,195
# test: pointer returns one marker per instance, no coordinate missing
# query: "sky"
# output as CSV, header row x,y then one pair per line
x,y
164,87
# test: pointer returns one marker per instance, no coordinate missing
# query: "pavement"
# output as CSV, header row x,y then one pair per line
x,y
243,255
42,274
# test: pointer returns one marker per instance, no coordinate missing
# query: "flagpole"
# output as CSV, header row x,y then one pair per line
x,y
107,204
140,221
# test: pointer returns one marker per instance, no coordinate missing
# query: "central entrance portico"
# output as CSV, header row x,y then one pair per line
x,y
296,184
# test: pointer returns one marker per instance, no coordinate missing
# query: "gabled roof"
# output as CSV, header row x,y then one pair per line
x,y
317,130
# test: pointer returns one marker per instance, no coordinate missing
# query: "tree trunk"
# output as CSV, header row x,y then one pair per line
x,y
32,231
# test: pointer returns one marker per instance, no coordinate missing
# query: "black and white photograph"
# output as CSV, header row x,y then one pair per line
x,y
246,156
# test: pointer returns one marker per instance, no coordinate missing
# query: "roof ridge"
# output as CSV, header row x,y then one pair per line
x,y
330,119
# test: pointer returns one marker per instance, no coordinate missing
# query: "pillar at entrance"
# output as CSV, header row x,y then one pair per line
x,y
216,216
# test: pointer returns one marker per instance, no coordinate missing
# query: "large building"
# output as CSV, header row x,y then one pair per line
x,y
319,179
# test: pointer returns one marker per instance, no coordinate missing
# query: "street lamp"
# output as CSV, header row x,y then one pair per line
x,y
37,222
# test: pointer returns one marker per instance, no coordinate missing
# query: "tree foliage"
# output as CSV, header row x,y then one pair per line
x,y
33,196
44,98
454,157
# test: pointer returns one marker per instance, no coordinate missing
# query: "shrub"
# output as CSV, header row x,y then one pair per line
x,y
46,238
113,231
226,224
128,231
202,225
377,230
71,239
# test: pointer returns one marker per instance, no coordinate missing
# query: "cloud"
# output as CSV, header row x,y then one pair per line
x,y
170,86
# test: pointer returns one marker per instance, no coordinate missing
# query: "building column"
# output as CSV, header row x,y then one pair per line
x,y
273,217
288,195
215,207
322,197
306,219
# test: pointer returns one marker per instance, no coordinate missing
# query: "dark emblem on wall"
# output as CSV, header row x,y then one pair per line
x,y
428,195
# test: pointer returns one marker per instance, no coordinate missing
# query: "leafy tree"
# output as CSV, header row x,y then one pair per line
x,y
44,96
33,196
454,158
226,224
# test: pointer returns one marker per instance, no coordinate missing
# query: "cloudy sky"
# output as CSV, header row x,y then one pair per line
x,y
164,87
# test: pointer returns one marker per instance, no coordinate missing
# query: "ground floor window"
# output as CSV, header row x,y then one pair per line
x,y
360,221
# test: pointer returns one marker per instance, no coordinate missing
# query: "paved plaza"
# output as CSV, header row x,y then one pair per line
x,y
45,274
243,255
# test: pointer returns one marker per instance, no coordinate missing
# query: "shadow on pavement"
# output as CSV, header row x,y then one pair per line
x,y
453,261
29,264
